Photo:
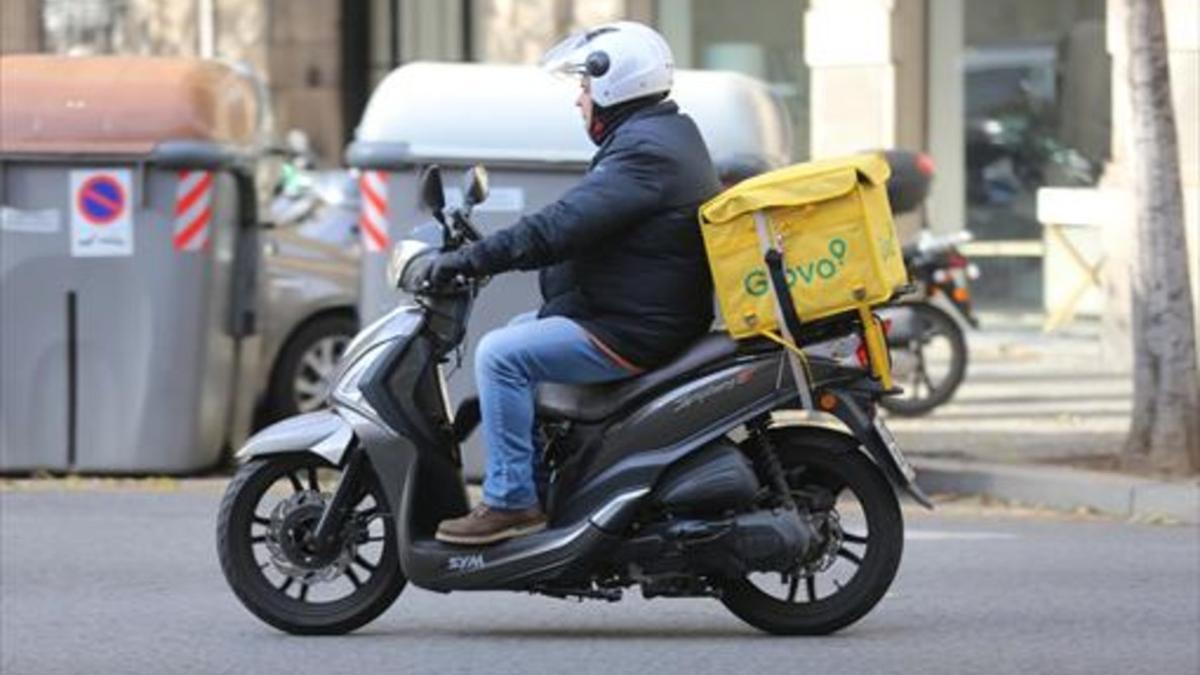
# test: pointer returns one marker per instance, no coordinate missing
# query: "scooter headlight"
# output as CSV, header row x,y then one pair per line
x,y
404,253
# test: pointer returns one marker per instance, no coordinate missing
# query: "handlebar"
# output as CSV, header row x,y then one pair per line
x,y
929,246
415,279
460,219
929,243
457,285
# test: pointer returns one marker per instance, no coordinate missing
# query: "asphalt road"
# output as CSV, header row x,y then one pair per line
x,y
126,581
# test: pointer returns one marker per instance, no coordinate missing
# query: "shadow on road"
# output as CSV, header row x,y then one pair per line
x,y
622,633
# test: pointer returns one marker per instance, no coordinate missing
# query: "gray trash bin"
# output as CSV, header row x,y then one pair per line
x,y
520,123
127,262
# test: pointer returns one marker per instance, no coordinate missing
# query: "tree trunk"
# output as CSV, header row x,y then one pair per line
x,y
1165,432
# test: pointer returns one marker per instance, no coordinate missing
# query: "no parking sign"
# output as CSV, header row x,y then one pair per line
x,y
101,213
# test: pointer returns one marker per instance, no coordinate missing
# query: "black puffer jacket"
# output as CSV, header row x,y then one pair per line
x,y
624,243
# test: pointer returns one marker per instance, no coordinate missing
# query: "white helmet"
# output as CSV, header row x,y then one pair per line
x,y
624,60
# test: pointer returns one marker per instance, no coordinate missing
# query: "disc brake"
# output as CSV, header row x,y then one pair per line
x,y
291,520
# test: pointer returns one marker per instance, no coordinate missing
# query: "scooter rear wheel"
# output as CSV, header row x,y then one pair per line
x,y
827,473
268,508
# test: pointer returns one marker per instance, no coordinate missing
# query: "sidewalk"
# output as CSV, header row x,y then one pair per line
x,y
1034,412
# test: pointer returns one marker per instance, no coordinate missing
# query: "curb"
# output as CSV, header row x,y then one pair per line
x,y
1063,488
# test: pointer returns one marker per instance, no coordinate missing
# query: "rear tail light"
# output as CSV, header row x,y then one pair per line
x,y
848,351
957,261
861,355
925,164
827,402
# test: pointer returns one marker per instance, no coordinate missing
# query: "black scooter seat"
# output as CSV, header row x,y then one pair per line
x,y
596,402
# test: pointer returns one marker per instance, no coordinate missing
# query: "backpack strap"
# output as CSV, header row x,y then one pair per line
x,y
785,308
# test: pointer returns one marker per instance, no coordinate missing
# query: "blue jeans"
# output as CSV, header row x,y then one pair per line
x,y
509,364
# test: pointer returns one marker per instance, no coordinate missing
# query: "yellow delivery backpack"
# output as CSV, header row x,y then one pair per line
x,y
822,228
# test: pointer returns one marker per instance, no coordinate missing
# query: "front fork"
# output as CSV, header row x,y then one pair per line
x,y
326,537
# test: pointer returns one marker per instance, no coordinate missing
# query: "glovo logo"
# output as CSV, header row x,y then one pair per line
x,y
757,283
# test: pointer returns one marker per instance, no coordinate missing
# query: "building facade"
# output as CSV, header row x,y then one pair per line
x,y
1009,96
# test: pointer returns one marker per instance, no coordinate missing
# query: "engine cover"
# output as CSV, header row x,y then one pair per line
x,y
715,479
759,541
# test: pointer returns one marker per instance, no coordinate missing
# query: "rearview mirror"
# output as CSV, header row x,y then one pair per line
x,y
432,195
475,185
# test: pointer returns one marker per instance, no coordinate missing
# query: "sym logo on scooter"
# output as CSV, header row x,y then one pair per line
x,y
462,563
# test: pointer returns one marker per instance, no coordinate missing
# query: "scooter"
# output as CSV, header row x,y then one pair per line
x,y
685,481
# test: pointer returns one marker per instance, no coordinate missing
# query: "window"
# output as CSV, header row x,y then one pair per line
x,y
119,27
520,31
762,39
1036,101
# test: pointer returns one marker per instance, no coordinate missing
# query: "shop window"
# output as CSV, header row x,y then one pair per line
x,y
158,27
1036,101
762,39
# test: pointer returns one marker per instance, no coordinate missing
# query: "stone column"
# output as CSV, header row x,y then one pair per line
x,y
305,71
675,23
946,119
20,26
431,30
866,63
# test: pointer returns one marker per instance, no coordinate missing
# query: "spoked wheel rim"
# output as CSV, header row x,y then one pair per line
x,y
837,514
929,366
315,371
277,532
854,556
932,353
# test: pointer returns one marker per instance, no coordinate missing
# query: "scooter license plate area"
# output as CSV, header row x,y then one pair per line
x,y
885,434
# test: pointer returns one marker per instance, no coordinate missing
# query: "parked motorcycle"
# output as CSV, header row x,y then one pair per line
x,y
679,481
926,338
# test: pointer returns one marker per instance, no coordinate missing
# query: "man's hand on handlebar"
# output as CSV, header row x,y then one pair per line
x,y
447,267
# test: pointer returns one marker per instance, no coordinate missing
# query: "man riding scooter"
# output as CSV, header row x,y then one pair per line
x,y
624,277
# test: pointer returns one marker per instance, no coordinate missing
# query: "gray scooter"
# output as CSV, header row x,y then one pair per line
x,y
684,481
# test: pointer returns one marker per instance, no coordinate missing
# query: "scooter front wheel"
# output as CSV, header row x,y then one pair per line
x,y
269,511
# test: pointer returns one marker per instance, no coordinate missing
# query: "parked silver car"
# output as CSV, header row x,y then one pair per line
x,y
311,277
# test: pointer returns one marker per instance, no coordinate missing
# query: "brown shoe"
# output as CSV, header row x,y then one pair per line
x,y
486,525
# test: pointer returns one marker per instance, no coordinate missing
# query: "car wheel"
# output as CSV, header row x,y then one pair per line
x,y
306,365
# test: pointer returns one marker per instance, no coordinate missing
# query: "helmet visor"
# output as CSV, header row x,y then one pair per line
x,y
566,57
569,57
